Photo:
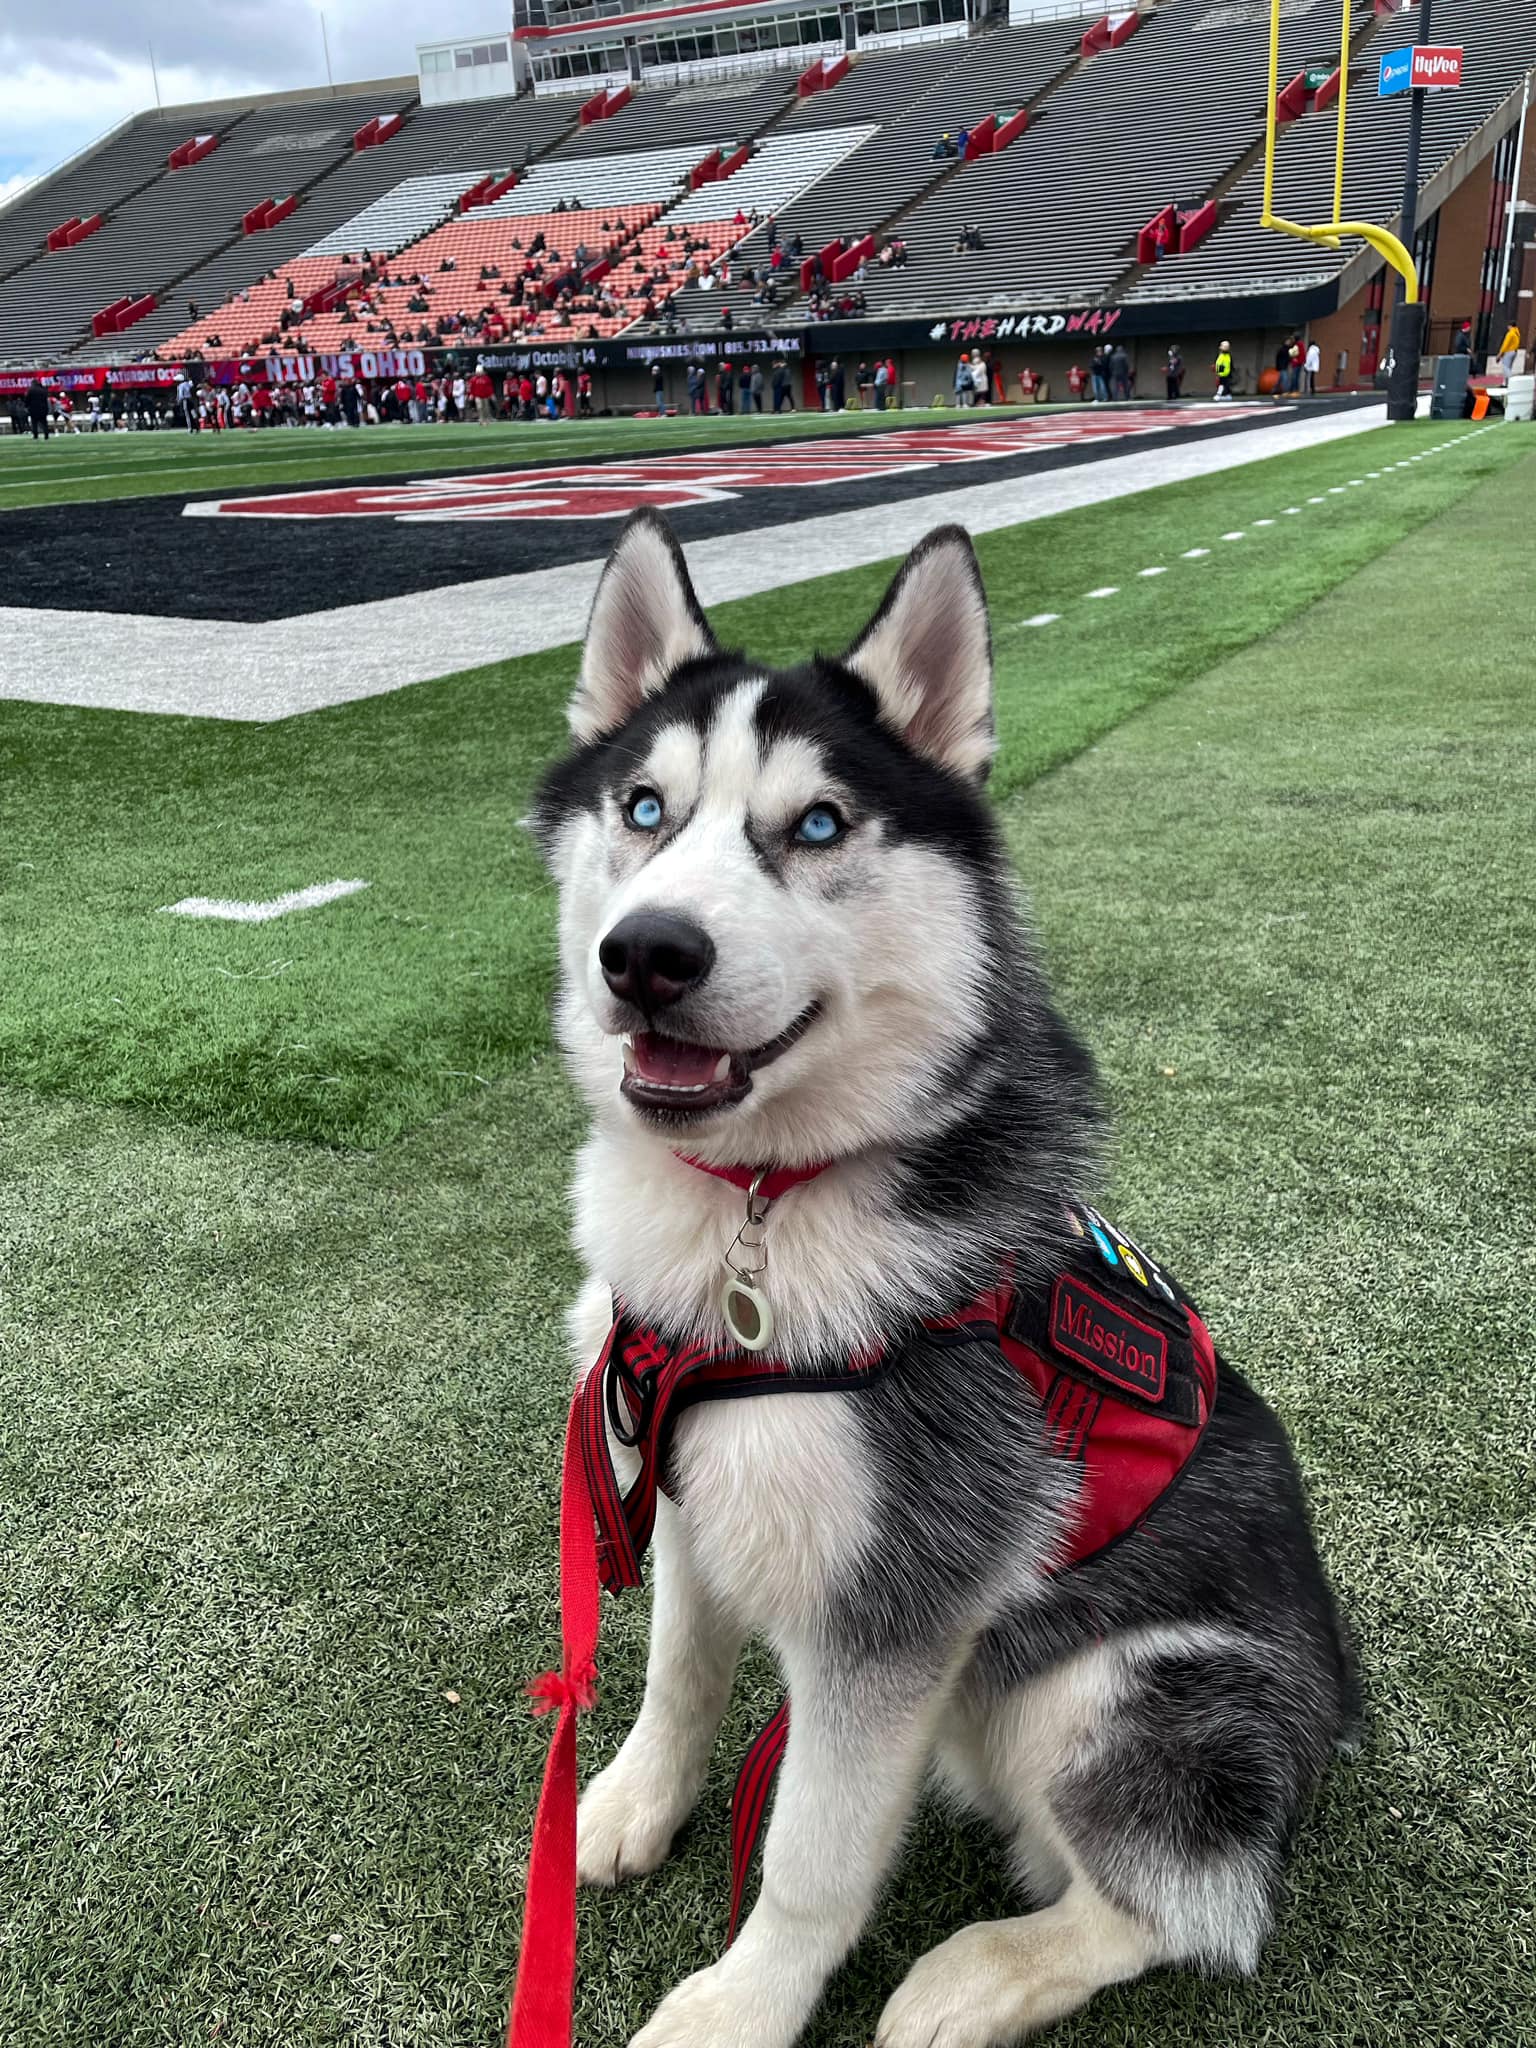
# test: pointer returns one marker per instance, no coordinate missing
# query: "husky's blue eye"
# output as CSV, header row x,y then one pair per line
x,y
644,810
820,826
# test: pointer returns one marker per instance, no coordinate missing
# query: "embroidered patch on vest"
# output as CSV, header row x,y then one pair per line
x,y
1097,1333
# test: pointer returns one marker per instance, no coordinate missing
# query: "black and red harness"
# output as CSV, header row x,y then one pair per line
x,y
1126,1376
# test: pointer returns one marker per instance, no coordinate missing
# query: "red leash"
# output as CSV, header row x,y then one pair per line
x,y
546,1969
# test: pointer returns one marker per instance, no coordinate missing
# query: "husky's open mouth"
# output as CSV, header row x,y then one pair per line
x,y
673,1078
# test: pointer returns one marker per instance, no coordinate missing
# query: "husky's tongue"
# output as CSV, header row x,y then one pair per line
x,y
674,1063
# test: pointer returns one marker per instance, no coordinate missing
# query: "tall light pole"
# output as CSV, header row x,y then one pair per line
x,y
1408,322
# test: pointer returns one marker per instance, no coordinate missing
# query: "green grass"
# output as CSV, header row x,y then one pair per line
x,y
89,466
353,1024
279,1424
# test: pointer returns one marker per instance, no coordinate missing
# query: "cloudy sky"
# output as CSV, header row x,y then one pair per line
x,y
67,73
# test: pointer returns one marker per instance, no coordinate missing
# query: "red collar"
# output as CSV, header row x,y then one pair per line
x,y
777,1180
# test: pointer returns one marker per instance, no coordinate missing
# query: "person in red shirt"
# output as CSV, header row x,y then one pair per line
x,y
482,390
261,404
421,401
525,396
402,400
584,393
328,400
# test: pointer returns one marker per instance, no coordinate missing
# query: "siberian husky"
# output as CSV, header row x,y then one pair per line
x,y
789,937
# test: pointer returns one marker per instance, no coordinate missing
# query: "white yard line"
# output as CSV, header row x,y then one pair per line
x,y
276,669
234,912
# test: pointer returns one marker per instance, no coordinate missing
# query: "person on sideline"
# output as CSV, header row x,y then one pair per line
x,y
1509,348
1311,364
1173,370
37,411
1223,369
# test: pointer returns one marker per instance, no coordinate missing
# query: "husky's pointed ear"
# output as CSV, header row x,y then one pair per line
x,y
927,655
645,621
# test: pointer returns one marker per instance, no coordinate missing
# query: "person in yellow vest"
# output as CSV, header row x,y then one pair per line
x,y
1223,369
1509,348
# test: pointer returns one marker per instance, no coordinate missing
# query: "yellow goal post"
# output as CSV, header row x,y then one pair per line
x,y
1332,232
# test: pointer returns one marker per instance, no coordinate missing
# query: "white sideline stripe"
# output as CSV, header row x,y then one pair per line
x,y
257,672
259,913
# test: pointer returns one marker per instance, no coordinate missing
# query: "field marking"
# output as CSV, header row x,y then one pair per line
x,y
281,668
1152,572
235,912
1107,590
1043,619
1239,535
1194,554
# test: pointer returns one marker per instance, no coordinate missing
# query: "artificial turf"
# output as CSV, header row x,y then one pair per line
x,y
353,1024
84,467
279,1424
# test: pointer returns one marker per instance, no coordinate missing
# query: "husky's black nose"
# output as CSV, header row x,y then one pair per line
x,y
650,958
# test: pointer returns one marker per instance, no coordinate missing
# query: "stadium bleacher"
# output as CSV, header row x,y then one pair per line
x,y
711,111
1172,115
1160,119
1242,257
956,86
431,139
150,242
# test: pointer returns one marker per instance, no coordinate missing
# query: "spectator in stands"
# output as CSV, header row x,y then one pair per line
x,y
1173,372
965,387
969,238
962,142
781,390
1223,368
796,248
37,410
944,147
727,319
773,232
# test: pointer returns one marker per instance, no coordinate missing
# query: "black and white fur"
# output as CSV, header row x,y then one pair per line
x,y
1144,1729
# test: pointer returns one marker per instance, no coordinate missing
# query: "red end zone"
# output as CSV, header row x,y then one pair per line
x,y
607,490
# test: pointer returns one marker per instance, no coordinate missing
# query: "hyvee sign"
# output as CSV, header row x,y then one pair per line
x,y
1428,67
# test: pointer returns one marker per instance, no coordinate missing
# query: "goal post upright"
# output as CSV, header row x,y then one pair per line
x,y
1332,233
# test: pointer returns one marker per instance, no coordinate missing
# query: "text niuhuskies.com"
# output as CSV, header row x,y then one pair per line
x,y
790,938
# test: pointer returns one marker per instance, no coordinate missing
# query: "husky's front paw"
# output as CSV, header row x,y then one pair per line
x,y
625,1824
718,2008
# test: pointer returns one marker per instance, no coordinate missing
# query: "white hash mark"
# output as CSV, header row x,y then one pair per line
x,y
1154,572
1043,619
1194,554
1239,535
259,913
1108,590
1263,522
